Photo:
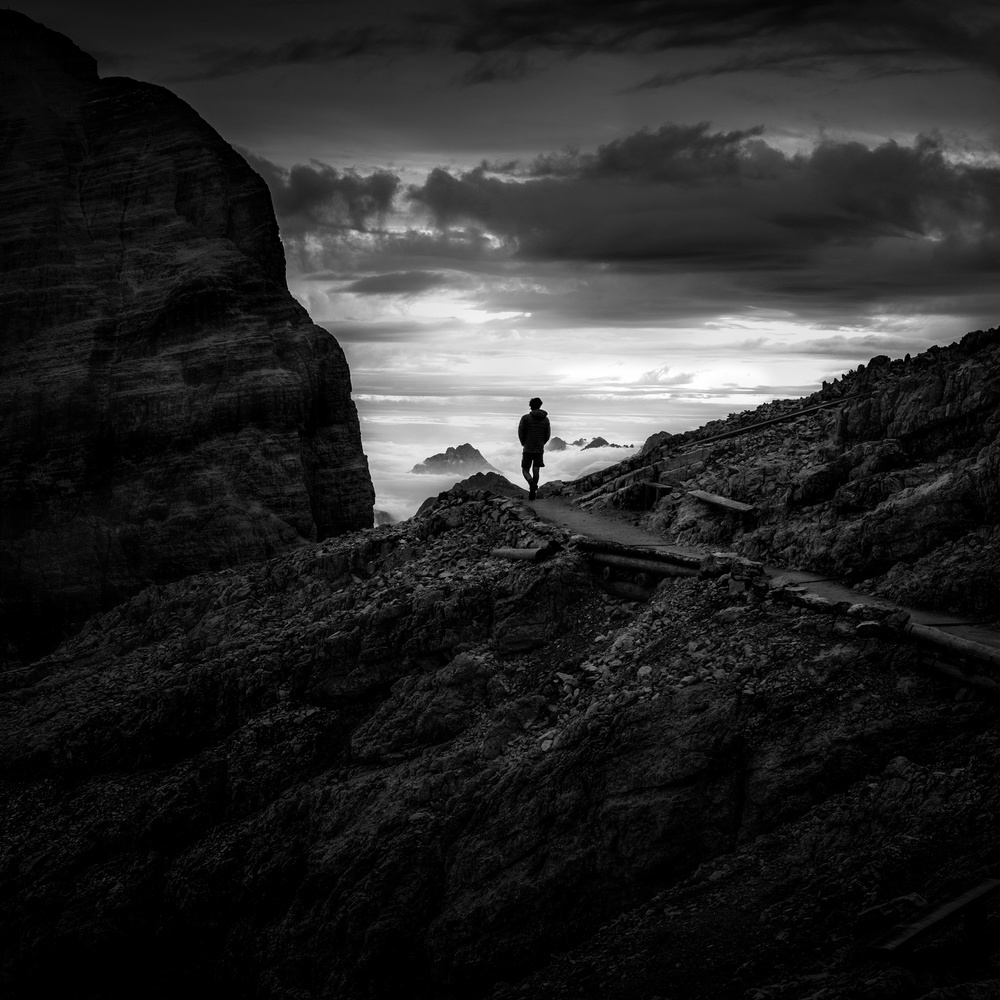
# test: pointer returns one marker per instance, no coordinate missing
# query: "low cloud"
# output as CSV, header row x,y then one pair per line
x,y
375,332
665,376
400,283
861,348
316,197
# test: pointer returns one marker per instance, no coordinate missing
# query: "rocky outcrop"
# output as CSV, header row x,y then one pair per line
x,y
393,763
166,406
893,485
465,460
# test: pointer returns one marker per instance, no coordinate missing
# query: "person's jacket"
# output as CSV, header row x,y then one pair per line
x,y
533,430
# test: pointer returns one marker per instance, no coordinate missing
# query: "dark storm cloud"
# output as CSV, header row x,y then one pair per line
x,y
786,35
350,43
671,153
317,197
784,32
399,283
791,62
842,223
497,68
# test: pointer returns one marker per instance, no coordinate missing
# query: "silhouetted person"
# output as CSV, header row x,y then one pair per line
x,y
533,431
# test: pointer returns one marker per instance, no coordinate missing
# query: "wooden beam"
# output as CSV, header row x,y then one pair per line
x,y
724,502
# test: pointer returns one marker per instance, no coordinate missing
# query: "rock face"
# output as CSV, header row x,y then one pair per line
x,y
465,460
165,405
393,765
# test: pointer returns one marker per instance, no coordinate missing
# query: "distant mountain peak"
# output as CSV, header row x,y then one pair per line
x,y
464,459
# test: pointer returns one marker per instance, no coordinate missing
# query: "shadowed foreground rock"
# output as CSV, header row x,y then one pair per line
x,y
166,406
393,765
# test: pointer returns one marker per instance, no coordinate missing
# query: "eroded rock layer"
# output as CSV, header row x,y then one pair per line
x,y
165,405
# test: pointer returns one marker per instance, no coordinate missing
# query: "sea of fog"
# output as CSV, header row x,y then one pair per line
x,y
399,434
400,492
401,431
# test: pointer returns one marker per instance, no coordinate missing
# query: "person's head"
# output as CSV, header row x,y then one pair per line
x,y
535,403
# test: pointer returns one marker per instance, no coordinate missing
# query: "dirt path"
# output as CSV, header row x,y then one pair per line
x,y
565,514
608,528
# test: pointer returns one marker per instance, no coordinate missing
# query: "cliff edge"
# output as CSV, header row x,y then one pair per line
x,y
166,406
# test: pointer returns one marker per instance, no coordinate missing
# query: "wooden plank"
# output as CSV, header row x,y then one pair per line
x,y
904,934
716,501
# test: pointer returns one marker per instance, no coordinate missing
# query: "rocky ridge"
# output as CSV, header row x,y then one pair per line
x,y
893,485
166,406
558,444
397,761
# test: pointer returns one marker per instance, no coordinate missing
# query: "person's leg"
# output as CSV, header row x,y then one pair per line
x,y
526,470
535,465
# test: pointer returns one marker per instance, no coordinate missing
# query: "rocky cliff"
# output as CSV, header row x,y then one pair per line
x,y
166,407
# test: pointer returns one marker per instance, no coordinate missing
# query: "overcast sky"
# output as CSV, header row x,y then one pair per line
x,y
647,213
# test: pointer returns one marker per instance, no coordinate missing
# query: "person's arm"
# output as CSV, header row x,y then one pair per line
x,y
548,429
520,430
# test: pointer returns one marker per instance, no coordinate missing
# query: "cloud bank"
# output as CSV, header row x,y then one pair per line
x,y
844,221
